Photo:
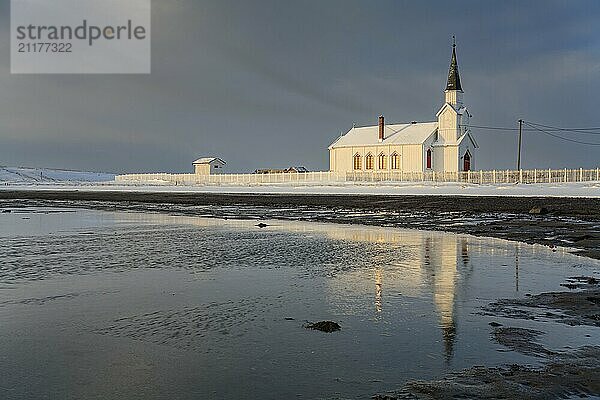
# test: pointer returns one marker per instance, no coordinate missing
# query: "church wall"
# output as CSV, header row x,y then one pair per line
x,y
410,157
342,159
412,160
445,158
438,159
451,158
332,160
453,97
448,126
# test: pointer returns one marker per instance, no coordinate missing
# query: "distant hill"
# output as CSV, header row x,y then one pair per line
x,y
45,175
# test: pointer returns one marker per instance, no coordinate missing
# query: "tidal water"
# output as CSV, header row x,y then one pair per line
x,y
115,305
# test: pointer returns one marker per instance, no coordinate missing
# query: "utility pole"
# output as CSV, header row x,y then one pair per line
x,y
520,134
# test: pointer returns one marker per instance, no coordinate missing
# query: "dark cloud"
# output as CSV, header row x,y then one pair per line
x,y
272,83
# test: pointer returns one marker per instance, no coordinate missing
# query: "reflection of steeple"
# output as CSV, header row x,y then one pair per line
x,y
443,257
449,334
427,255
464,252
378,293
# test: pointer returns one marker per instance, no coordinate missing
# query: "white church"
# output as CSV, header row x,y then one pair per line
x,y
443,145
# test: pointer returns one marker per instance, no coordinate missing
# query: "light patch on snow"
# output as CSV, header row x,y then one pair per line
x,y
410,133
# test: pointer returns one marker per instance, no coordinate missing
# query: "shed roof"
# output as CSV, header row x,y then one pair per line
x,y
208,160
411,133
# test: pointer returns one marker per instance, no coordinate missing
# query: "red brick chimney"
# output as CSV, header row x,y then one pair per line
x,y
381,127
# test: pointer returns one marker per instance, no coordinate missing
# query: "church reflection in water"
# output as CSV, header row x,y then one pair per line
x,y
425,264
442,260
378,291
430,263
418,264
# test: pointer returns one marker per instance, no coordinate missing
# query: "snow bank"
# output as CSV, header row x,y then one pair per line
x,y
20,175
583,189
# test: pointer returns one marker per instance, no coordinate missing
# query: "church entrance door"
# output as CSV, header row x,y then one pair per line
x,y
467,162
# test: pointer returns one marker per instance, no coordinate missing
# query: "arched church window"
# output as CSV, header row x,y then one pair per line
x,y
357,162
467,162
429,158
369,161
381,161
395,161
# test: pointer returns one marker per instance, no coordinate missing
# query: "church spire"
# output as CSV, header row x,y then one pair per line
x,y
453,76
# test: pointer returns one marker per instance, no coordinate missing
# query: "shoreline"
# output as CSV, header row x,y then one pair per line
x,y
564,222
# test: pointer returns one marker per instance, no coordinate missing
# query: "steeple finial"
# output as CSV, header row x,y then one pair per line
x,y
453,76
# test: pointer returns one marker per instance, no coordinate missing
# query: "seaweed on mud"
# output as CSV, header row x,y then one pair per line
x,y
580,307
324,326
580,282
521,340
564,375
590,280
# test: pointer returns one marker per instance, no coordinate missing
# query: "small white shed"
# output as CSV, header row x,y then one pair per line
x,y
208,165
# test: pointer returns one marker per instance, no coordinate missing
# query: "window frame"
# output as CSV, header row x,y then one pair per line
x,y
429,159
357,162
382,161
467,158
369,162
395,161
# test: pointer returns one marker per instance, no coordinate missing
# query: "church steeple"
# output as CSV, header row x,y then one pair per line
x,y
453,76
454,90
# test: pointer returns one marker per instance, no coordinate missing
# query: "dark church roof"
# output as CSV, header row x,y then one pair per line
x,y
453,77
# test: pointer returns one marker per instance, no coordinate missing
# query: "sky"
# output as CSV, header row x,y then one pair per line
x,y
271,83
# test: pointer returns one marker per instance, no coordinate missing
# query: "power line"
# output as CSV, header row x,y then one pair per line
x,y
491,128
496,128
577,130
533,127
587,131
560,137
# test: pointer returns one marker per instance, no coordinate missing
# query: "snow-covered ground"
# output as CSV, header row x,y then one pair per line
x,y
585,189
51,179
23,175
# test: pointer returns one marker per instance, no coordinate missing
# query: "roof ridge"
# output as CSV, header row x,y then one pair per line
x,y
405,133
395,123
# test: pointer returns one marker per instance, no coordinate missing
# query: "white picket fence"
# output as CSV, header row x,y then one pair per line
x,y
475,177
